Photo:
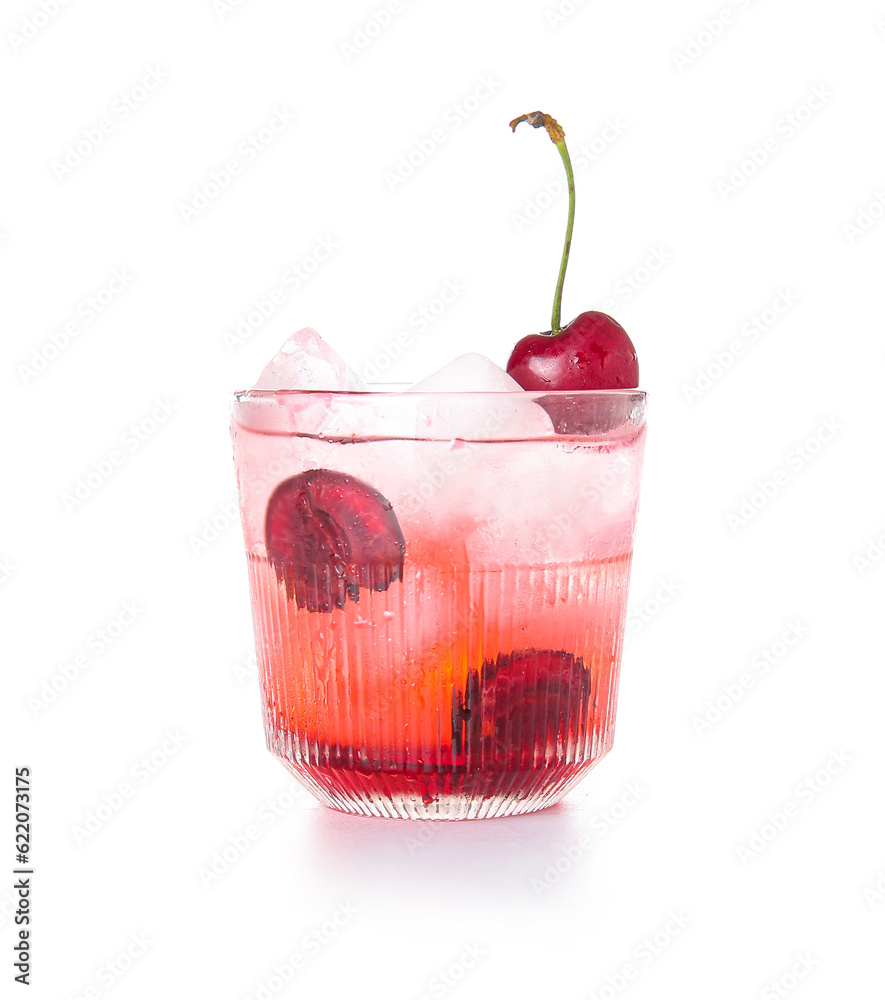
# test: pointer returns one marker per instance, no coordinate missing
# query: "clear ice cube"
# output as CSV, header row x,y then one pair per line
x,y
305,361
509,415
469,373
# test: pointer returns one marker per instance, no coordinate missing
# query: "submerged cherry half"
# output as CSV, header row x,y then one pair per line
x,y
518,706
328,534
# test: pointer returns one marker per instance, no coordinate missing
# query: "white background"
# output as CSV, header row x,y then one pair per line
x,y
675,113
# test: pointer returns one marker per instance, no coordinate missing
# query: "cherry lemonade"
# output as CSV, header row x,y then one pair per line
x,y
438,614
439,576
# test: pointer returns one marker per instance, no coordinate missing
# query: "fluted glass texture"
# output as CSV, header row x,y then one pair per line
x,y
438,586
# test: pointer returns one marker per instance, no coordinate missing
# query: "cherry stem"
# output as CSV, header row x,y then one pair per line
x,y
538,119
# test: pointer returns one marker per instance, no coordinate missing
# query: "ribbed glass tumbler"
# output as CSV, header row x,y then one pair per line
x,y
438,588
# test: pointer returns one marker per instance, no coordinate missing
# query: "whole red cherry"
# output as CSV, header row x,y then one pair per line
x,y
591,352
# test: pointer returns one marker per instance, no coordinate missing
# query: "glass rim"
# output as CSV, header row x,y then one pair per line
x,y
247,395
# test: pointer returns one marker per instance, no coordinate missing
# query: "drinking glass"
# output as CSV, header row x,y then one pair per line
x,y
438,586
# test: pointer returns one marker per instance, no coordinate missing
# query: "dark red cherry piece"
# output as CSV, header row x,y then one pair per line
x,y
591,352
519,706
329,534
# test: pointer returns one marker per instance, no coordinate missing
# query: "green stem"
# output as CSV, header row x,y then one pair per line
x,y
538,119
566,250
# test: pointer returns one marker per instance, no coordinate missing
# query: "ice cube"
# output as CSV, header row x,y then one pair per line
x,y
511,414
455,482
469,373
306,361
571,501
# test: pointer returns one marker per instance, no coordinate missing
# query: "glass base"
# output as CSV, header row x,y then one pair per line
x,y
442,792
